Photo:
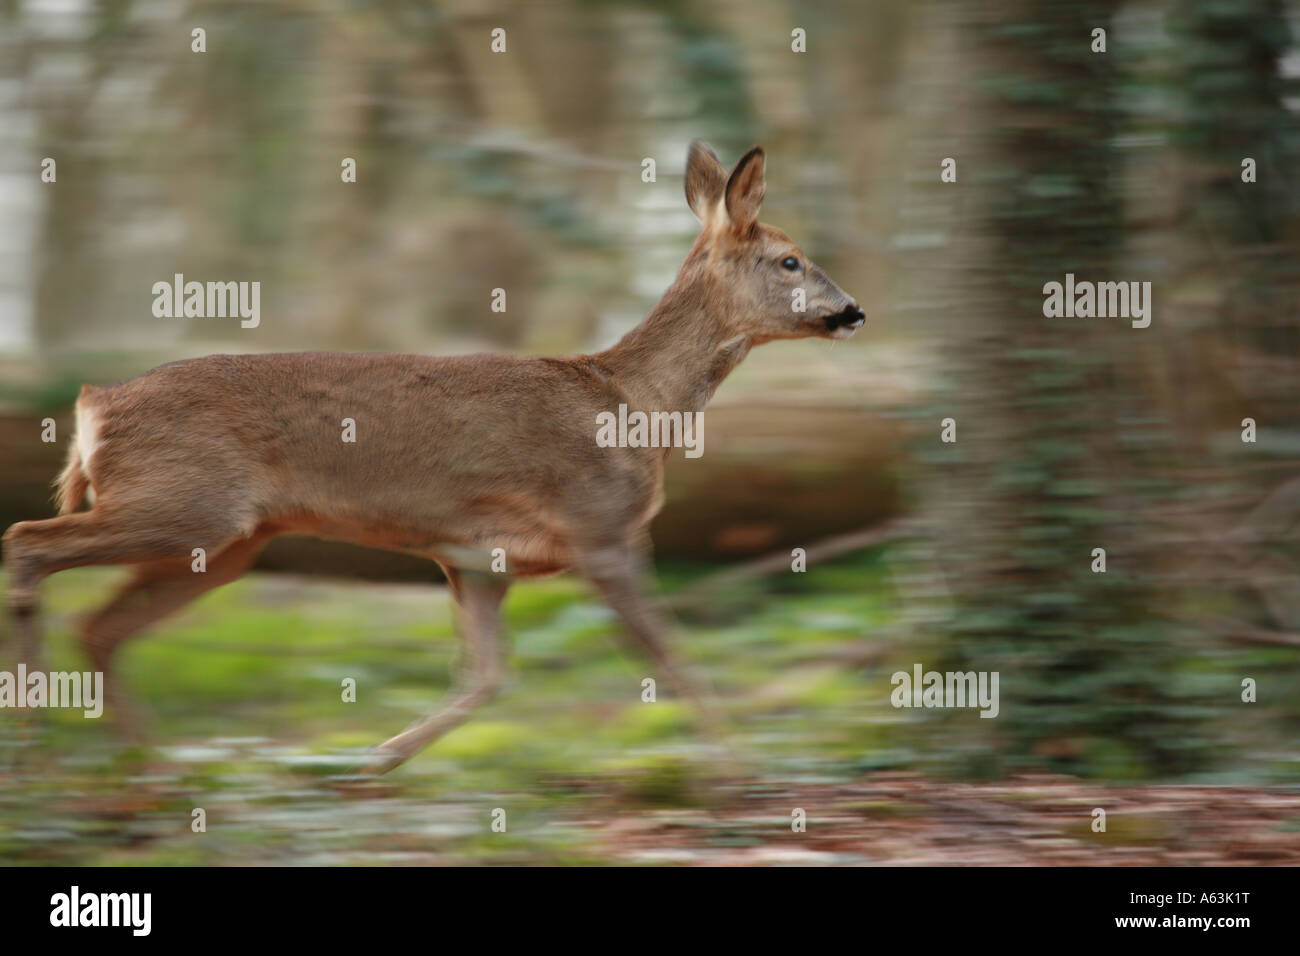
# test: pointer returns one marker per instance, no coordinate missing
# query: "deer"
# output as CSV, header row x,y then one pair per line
x,y
455,459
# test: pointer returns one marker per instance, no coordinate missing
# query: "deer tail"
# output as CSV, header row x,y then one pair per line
x,y
70,487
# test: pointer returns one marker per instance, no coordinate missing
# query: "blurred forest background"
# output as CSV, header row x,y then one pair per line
x,y
523,170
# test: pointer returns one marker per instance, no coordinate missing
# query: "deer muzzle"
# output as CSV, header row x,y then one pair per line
x,y
850,317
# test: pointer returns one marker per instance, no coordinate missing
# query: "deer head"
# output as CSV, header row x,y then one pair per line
x,y
759,273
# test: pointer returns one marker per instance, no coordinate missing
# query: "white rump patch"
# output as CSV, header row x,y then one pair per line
x,y
88,423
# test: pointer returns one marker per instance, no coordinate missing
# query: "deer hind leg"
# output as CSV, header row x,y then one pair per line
x,y
33,550
619,573
478,597
156,589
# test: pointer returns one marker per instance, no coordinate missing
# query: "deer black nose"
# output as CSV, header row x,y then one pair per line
x,y
850,315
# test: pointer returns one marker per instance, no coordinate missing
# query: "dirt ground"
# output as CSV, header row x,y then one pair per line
x,y
911,821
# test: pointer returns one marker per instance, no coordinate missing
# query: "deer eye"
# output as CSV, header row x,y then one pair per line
x,y
790,263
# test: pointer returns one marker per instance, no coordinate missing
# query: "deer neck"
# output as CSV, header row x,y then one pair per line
x,y
678,356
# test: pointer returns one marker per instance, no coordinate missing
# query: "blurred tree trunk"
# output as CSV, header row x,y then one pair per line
x,y
1058,429
20,186
73,206
1239,263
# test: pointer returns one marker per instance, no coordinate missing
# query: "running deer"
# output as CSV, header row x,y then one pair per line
x,y
452,459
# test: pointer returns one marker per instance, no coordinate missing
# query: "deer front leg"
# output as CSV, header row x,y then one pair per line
x,y
618,574
478,598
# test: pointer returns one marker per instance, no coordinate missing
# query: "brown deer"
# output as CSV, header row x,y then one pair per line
x,y
452,459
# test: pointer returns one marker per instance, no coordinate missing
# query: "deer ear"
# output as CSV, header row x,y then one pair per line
x,y
705,180
745,190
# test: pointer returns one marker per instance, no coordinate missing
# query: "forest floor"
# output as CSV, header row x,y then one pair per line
x,y
251,728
